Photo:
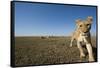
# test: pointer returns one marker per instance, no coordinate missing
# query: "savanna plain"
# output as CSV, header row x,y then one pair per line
x,y
36,50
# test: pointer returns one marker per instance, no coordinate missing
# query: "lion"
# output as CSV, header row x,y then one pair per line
x,y
82,34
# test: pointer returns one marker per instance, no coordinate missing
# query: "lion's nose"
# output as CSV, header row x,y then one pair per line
x,y
85,32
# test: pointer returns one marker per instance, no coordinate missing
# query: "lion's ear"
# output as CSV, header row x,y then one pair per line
x,y
78,21
90,19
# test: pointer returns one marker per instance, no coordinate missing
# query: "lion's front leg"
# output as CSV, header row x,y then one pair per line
x,y
71,43
89,48
80,49
90,52
72,39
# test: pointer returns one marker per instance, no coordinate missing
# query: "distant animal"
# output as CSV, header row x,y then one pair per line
x,y
82,34
44,37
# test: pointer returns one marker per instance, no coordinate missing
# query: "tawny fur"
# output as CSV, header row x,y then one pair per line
x,y
82,34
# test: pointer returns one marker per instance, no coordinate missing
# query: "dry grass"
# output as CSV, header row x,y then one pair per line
x,y
53,50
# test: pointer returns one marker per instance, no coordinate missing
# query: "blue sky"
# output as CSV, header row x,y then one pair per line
x,y
35,19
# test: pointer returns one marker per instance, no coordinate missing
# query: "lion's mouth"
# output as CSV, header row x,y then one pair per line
x,y
85,34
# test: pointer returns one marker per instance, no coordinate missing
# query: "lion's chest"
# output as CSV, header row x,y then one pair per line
x,y
82,38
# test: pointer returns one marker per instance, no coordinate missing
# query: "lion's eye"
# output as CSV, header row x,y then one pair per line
x,y
88,24
80,25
